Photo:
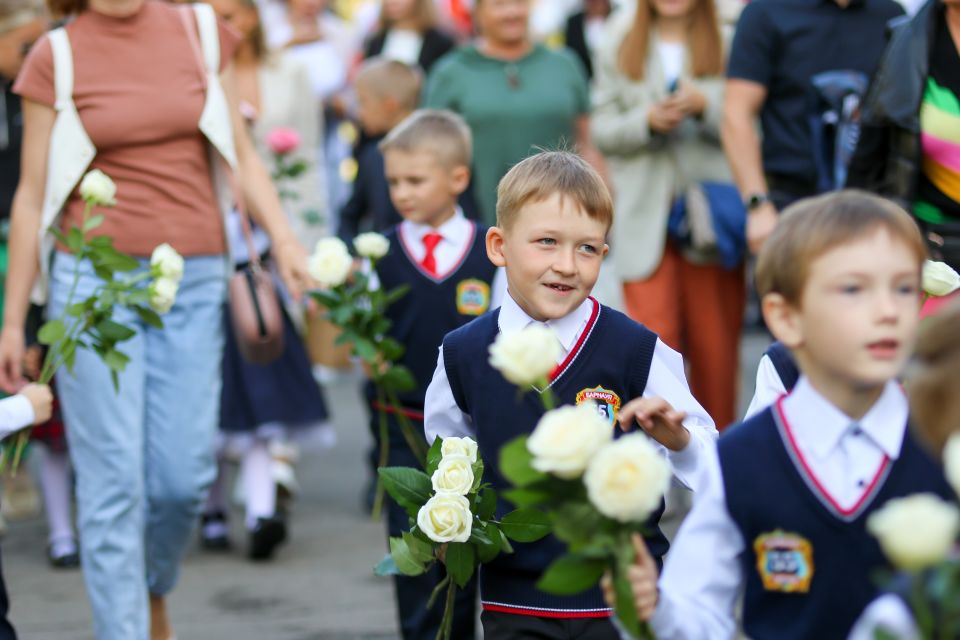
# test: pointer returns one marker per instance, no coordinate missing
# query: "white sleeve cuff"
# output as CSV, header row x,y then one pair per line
x,y
16,412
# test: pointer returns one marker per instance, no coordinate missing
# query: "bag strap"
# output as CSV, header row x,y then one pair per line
x,y
207,52
62,68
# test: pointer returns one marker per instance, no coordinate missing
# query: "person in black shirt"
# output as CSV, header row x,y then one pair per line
x,y
779,48
585,27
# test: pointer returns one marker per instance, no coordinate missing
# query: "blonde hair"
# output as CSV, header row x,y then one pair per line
x,y
443,133
703,41
61,8
546,173
808,229
387,78
932,377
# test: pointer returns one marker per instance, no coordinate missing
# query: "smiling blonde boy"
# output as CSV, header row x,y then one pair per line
x,y
782,515
553,215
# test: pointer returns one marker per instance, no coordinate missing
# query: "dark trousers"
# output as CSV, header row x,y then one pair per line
x,y
510,626
412,593
6,629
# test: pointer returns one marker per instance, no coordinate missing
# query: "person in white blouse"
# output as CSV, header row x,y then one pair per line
x,y
841,432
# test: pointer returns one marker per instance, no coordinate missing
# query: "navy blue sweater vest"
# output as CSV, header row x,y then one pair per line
x,y
433,306
614,353
809,567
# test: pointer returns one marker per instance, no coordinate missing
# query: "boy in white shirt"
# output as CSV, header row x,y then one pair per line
x,y
553,215
786,497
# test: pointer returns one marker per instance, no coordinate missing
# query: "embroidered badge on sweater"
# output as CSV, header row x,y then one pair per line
x,y
785,561
473,297
608,403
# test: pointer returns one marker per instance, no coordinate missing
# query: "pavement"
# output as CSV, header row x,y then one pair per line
x,y
320,586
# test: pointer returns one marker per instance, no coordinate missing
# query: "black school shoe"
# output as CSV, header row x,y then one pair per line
x,y
266,536
61,560
213,531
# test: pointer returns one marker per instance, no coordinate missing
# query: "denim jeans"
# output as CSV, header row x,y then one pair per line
x,y
144,456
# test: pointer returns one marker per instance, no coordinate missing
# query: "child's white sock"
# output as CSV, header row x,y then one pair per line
x,y
258,484
55,484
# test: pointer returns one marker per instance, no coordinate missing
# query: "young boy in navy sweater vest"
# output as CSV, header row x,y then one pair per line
x,y
441,256
553,215
787,495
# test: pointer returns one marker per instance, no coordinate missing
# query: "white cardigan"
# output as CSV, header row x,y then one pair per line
x,y
71,151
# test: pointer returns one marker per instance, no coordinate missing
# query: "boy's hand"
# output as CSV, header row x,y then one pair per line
x,y
643,581
41,399
658,419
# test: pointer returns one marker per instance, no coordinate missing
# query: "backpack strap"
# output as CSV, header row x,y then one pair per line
x,y
62,68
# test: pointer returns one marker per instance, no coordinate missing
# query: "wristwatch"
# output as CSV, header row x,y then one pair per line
x,y
754,200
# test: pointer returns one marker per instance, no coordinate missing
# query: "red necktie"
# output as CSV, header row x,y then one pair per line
x,y
430,242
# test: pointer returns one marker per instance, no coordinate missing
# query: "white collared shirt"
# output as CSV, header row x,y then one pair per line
x,y
702,577
450,252
16,412
666,380
768,389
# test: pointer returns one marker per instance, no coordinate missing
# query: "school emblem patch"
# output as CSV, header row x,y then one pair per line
x,y
473,297
785,561
608,403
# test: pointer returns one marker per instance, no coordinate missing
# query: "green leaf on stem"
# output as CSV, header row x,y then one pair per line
x,y
149,316
76,309
625,607
341,315
526,525
69,354
406,563
51,332
116,360
365,349
75,240
391,349
487,552
461,560
110,258
571,574
328,299
434,456
528,497
409,487
479,536
516,463
114,331
398,378
577,523
92,223
386,567
488,504
419,548
395,294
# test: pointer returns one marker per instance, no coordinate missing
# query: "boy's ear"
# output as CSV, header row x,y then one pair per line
x,y
459,179
605,251
495,238
783,320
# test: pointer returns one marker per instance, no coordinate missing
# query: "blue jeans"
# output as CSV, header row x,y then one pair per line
x,y
144,456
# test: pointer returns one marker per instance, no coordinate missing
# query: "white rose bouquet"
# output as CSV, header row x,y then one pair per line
x,y
452,520
360,311
89,323
596,491
939,279
918,534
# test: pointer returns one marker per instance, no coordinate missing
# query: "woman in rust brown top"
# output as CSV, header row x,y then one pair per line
x,y
144,456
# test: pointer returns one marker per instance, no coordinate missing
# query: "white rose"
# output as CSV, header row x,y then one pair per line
x,y
951,462
939,279
167,263
459,447
627,478
565,440
331,262
163,293
917,531
454,474
371,245
446,517
527,356
97,188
